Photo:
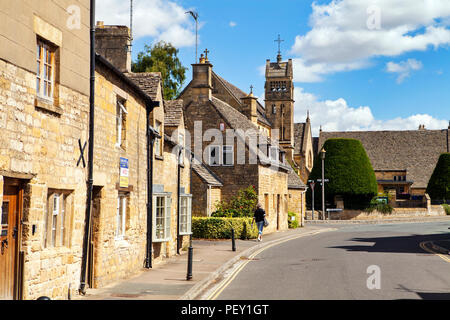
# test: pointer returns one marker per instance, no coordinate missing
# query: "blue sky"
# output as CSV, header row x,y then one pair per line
x,y
359,65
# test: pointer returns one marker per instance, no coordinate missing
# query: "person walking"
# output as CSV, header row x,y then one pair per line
x,y
259,217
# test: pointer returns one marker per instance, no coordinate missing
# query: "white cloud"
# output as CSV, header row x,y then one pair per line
x,y
337,115
233,24
345,32
403,68
161,19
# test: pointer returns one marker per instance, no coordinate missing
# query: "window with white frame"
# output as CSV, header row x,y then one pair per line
x,y
214,155
121,215
158,141
57,220
274,153
45,72
121,123
181,143
185,215
228,156
161,218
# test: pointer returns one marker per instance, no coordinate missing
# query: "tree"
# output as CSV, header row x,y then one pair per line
x,y
163,57
439,185
350,174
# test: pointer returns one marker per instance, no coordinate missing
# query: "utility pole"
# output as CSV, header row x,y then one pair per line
x,y
131,25
195,16
322,156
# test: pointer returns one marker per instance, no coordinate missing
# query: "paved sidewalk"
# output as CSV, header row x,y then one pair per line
x,y
167,280
411,219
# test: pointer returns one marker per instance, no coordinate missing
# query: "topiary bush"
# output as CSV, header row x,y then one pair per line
x,y
439,185
350,172
241,205
220,228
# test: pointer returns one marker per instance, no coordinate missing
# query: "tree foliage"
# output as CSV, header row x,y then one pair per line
x,y
163,57
350,172
439,185
241,205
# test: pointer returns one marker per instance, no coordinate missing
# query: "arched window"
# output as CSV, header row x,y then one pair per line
x,y
274,109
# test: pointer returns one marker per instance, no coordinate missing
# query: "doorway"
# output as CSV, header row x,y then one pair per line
x,y
96,211
9,240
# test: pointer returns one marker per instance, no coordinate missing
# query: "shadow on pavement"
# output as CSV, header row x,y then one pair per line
x,y
396,244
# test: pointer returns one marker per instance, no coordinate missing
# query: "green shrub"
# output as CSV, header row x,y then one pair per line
x,y
447,209
293,224
220,228
350,174
439,185
241,205
376,205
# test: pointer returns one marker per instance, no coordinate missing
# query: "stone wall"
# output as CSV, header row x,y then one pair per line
x,y
43,145
397,213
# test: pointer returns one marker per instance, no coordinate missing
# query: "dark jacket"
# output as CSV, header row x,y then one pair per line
x,y
259,215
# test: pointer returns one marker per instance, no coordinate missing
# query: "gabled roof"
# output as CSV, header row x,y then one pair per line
x,y
237,120
173,112
415,151
294,181
238,94
205,174
149,82
299,136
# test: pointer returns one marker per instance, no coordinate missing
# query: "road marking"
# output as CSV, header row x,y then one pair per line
x,y
424,247
225,283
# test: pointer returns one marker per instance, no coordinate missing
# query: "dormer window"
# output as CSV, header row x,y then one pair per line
x,y
274,153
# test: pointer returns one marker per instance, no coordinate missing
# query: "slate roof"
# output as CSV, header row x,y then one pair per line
x,y
148,81
294,181
238,94
237,120
415,151
206,175
299,137
278,70
173,112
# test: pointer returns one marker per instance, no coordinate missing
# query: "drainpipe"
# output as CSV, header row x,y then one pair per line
x,y
152,134
90,181
178,200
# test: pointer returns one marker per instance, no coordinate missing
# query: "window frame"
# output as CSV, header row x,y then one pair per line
x,y
188,213
121,213
166,219
57,219
218,154
158,142
121,123
231,150
44,77
275,152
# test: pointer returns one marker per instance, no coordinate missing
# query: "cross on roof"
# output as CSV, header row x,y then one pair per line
x,y
251,89
279,44
206,53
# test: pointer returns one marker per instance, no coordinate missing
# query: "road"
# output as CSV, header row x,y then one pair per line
x,y
334,265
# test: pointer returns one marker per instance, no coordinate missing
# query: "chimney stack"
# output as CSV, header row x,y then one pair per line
x,y
202,78
113,43
249,107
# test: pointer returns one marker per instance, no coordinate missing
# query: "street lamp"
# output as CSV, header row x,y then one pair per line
x,y
322,156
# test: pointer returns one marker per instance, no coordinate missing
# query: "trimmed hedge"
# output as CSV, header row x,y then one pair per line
x,y
220,228
439,185
350,172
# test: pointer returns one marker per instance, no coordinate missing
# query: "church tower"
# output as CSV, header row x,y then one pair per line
x,y
279,101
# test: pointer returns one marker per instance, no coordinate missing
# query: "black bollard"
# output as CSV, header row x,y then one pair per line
x,y
233,242
190,257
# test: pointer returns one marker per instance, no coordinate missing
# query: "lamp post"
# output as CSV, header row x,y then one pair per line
x,y
322,156
312,184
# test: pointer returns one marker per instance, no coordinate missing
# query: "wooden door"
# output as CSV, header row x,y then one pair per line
x,y
8,246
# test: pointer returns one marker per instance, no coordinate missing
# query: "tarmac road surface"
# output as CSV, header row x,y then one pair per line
x,y
368,262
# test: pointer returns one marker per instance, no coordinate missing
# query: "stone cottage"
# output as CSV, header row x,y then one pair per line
x,y
214,109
